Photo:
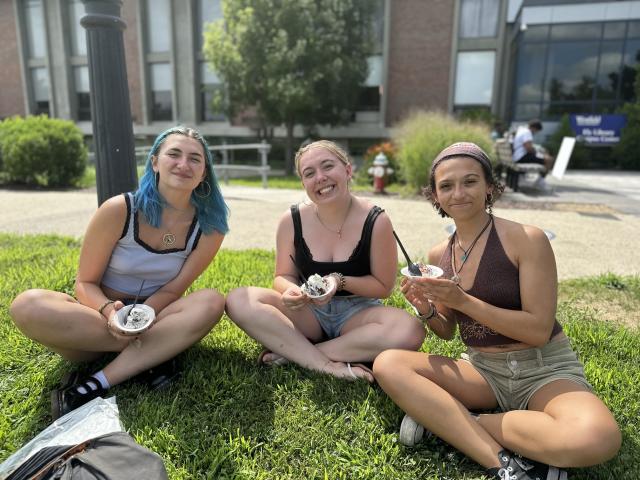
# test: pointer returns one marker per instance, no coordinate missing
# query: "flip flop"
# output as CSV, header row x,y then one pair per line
x,y
363,367
279,361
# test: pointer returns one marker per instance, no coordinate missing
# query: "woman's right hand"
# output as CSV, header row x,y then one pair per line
x,y
294,298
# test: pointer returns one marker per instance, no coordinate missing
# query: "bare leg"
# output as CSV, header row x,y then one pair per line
x,y
372,331
437,392
262,315
180,325
79,333
566,426
59,322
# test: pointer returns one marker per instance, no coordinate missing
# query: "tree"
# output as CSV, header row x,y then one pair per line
x,y
294,62
627,151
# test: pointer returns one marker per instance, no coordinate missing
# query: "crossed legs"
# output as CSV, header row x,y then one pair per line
x,y
295,334
565,426
79,333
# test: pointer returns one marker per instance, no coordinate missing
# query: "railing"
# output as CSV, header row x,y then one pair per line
x,y
226,151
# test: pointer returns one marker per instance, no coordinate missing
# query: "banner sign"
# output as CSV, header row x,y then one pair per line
x,y
598,129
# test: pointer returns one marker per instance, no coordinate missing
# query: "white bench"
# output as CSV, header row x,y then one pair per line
x,y
512,169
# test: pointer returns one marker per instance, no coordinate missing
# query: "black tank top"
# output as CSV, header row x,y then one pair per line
x,y
497,282
358,264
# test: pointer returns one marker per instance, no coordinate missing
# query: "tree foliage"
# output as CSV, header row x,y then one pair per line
x,y
294,62
627,152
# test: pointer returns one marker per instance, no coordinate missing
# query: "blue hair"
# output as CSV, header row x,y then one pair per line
x,y
211,210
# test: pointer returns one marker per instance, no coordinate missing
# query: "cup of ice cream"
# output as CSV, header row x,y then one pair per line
x,y
134,319
428,271
316,287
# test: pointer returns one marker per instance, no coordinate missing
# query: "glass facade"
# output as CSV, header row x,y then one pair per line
x,y
575,68
479,18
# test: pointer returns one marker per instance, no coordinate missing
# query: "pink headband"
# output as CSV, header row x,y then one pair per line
x,y
462,149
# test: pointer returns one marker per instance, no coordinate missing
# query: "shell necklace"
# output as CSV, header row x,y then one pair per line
x,y
339,231
467,252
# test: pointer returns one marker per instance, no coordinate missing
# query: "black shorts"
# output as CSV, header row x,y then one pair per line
x,y
530,158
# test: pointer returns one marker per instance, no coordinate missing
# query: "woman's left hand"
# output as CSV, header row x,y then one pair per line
x,y
437,290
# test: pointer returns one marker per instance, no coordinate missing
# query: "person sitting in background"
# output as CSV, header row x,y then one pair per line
x,y
349,242
499,289
164,234
524,151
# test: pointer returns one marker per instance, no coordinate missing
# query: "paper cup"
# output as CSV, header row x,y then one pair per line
x,y
138,320
327,287
429,271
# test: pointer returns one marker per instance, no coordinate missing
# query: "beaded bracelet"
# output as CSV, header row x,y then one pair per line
x,y
340,280
104,305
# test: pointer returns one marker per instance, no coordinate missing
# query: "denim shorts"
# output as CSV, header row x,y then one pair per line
x,y
515,376
333,315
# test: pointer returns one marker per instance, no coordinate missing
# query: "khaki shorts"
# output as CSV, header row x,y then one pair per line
x,y
515,376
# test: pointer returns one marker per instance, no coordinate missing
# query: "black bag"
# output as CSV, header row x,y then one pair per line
x,y
115,456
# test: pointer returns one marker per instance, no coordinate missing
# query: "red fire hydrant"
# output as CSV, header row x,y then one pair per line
x,y
380,171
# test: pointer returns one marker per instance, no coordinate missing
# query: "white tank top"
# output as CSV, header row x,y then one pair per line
x,y
132,260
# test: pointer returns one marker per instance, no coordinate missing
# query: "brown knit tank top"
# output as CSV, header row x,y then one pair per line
x,y
497,282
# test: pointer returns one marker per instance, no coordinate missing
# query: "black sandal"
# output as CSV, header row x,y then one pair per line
x,y
64,400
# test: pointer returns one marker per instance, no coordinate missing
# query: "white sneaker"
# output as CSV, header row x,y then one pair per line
x,y
543,186
411,432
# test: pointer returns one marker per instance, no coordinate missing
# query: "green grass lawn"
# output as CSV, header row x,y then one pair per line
x,y
228,418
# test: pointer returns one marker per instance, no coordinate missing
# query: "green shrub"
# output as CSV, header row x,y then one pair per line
x,y
423,135
627,152
580,157
42,151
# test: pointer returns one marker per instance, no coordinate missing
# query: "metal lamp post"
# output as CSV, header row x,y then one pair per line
x,y
110,107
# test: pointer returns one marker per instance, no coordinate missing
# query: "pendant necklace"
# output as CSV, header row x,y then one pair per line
x,y
169,239
339,231
467,252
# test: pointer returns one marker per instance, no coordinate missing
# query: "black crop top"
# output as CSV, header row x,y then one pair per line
x,y
358,264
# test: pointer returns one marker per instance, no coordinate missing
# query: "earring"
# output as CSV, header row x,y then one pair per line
x,y
436,205
206,187
489,203
157,179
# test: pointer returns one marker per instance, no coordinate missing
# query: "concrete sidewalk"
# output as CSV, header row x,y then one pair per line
x,y
595,228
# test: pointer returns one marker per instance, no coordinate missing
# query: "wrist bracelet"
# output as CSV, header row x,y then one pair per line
x,y
104,305
427,316
340,280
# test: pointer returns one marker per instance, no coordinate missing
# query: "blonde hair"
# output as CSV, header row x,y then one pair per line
x,y
327,145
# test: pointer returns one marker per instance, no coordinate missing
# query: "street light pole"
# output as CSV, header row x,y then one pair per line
x,y
110,108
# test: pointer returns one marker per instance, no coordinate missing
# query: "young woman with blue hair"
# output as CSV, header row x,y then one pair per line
x,y
150,244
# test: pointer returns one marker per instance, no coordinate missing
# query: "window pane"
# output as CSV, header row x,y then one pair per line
x,y
161,85
78,35
40,83
576,31
530,74
474,78
630,62
375,71
609,71
158,25
634,30
208,11
209,86
527,111
369,99
571,71
81,77
555,111
378,27
34,17
479,18
161,77
614,30
536,33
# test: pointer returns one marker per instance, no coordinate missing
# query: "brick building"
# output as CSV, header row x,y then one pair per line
x,y
514,58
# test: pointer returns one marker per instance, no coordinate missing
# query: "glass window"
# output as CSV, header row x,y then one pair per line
x,y
571,71
634,30
378,27
527,111
34,17
208,11
629,64
609,70
474,78
40,83
209,86
555,111
479,18
614,30
83,99
78,35
161,86
536,33
158,25
530,73
576,31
